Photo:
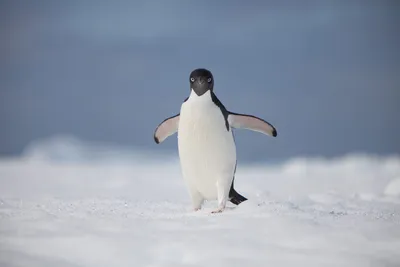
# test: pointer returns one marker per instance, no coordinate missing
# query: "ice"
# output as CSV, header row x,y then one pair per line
x,y
67,203
393,188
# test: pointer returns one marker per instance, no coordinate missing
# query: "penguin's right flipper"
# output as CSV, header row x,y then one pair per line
x,y
166,128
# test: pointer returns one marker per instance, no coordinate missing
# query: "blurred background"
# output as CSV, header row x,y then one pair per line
x,y
326,74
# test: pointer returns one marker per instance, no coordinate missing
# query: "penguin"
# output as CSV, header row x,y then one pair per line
x,y
206,145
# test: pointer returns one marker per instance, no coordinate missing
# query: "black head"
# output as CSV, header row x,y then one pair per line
x,y
201,80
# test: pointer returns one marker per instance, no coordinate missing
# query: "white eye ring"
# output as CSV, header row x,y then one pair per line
x,y
209,80
192,79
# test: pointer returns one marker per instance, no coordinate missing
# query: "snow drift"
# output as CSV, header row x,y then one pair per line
x,y
70,203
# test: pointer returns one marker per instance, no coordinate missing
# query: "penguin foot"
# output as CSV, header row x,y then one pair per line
x,y
219,210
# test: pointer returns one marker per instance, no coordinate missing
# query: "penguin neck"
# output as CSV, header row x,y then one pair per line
x,y
204,98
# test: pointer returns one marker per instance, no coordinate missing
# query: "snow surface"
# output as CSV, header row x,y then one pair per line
x,y
58,208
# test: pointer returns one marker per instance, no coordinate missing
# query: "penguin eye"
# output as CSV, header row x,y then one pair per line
x,y
209,80
192,79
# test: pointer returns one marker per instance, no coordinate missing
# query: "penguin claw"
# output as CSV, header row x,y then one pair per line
x,y
218,210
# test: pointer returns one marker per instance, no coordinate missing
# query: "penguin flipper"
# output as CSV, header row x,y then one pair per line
x,y
250,122
166,128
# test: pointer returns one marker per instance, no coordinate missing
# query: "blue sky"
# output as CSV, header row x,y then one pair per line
x,y
325,74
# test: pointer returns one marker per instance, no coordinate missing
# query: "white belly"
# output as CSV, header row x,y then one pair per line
x,y
206,148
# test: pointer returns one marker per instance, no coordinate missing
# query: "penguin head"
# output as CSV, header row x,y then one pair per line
x,y
201,80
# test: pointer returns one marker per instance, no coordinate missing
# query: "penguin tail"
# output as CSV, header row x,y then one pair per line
x,y
235,197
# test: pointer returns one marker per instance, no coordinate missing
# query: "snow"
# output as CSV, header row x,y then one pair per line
x,y
393,188
64,203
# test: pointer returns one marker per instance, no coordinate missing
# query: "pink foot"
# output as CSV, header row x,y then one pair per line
x,y
218,210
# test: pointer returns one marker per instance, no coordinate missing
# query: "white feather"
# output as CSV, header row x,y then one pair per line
x,y
207,149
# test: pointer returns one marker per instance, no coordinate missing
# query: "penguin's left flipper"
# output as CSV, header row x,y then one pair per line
x,y
166,128
250,122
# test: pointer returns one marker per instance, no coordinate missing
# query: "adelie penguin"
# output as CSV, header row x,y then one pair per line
x,y
206,145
